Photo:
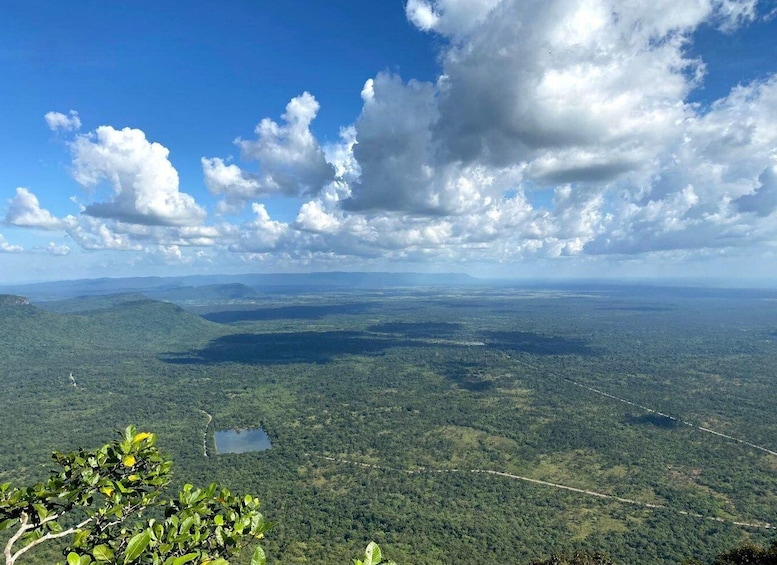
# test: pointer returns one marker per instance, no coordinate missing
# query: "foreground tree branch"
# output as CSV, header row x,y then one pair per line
x,y
11,558
103,492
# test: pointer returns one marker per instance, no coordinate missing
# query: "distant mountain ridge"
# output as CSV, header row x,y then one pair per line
x,y
266,283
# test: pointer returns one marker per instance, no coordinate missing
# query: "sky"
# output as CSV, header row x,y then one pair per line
x,y
500,138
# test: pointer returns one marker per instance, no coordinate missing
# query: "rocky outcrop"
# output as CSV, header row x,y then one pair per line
x,y
13,300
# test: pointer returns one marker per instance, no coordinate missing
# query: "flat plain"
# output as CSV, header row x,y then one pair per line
x,y
466,424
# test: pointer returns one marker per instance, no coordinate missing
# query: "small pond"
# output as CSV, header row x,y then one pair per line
x,y
241,441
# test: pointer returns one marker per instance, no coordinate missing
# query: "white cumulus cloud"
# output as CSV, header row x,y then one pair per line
x,y
63,122
291,162
144,182
57,250
230,180
6,247
24,210
290,159
95,234
556,128
262,234
763,200
313,217
167,255
449,17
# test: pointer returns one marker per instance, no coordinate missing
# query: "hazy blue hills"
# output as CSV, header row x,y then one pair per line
x,y
187,294
238,286
211,292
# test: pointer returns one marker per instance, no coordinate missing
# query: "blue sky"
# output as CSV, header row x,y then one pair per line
x,y
560,138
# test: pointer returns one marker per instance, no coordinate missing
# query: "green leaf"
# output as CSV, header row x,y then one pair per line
x,y
73,558
137,545
41,510
80,537
258,558
185,558
372,554
186,525
7,523
54,527
102,553
31,536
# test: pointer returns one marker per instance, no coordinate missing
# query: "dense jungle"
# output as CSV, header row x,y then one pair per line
x,y
450,423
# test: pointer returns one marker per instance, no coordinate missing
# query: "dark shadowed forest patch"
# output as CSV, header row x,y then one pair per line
x,y
656,420
467,376
528,342
295,312
418,329
636,308
284,348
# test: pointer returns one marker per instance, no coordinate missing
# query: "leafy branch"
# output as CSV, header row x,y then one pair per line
x,y
98,497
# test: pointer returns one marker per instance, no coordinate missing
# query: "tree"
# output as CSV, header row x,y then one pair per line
x,y
749,554
577,558
97,501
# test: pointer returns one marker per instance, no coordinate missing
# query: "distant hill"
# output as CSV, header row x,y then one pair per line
x,y
221,286
124,321
361,280
148,323
90,303
212,292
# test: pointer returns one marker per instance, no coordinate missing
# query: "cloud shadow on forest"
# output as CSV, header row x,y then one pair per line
x,y
286,348
465,375
643,308
418,329
296,312
656,420
536,344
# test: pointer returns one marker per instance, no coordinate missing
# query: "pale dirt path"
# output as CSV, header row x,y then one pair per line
x,y
647,409
205,433
760,525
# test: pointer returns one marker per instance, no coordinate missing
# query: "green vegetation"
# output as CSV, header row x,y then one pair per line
x,y
127,477
372,556
578,558
749,555
95,502
380,404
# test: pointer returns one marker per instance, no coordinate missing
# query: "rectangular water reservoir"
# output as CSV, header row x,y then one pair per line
x,y
241,441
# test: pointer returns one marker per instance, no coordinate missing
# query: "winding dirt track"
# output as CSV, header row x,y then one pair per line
x,y
648,409
205,433
758,525
752,524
